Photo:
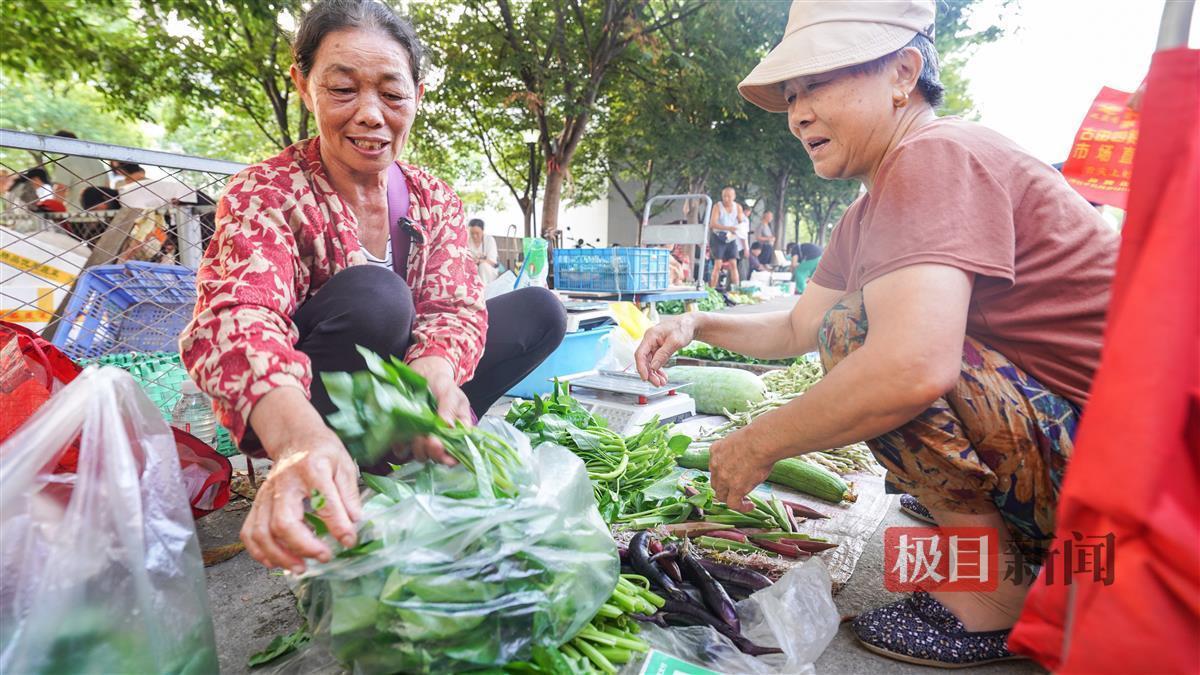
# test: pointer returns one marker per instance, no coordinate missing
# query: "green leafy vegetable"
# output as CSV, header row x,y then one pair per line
x,y
281,646
703,350
619,468
457,568
389,404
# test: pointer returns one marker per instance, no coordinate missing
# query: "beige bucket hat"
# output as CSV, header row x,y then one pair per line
x,y
824,35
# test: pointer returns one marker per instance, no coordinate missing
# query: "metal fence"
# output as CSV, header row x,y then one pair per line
x,y
99,243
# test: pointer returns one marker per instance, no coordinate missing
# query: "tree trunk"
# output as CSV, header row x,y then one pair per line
x,y
526,205
552,199
781,185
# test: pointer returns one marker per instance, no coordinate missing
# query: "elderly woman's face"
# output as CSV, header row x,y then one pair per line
x,y
843,120
362,93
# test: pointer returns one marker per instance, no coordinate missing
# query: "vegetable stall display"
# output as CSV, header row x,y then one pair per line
x,y
707,352
620,468
722,391
694,594
506,562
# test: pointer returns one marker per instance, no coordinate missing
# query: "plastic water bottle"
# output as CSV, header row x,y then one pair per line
x,y
193,413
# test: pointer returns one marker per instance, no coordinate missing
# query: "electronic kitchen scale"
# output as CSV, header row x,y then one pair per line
x,y
627,402
583,316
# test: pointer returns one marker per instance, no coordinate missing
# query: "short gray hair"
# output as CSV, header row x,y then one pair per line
x,y
929,82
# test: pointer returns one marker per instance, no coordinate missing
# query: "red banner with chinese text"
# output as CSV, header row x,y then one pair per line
x,y
1101,159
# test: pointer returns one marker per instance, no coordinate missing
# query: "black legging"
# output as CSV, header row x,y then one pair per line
x,y
372,306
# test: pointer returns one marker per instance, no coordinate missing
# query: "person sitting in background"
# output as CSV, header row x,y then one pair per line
x,y
100,199
79,174
765,234
484,251
755,258
48,197
138,192
805,258
682,255
129,173
89,226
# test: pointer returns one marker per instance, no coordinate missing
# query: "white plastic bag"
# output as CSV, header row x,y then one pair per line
x,y
795,614
100,570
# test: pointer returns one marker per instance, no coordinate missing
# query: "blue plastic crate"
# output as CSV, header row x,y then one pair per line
x,y
137,306
612,270
577,353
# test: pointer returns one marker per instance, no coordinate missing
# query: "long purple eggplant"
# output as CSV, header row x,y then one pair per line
x,y
639,557
664,557
691,613
711,590
735,575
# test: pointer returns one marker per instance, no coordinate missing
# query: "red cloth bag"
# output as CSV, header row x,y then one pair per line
x,y
1136,469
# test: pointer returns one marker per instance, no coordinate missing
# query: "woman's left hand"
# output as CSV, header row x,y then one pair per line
x,y
737,466
453,406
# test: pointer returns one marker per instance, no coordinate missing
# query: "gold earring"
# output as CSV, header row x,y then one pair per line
x,y
900,101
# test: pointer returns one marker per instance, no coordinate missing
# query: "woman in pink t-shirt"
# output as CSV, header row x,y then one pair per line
x,y
985,278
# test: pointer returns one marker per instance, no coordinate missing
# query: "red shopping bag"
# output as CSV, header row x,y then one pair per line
x,y
1135,474
31,370
206,474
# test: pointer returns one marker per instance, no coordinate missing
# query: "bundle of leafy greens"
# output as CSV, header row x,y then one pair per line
x,y
457,568
712,302
619,468
703,350
389,404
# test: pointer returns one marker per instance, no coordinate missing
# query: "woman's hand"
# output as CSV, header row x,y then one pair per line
x,y
660,343
307,458
738,465
453,406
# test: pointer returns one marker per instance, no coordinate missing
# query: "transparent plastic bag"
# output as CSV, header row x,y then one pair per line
x,y
100,571
461,581
795,614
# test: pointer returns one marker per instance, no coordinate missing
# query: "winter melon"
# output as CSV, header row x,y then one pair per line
x,y
716,389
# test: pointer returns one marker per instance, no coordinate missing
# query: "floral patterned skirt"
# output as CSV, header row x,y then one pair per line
x,y
998,439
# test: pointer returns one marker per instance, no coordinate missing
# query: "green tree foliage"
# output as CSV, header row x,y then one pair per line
x,y
688,130
546,65
640,92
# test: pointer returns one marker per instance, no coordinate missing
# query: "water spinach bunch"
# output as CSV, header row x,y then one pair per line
x,y
390,404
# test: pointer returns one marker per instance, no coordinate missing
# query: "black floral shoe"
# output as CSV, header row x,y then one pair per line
x,y
921,630
914,508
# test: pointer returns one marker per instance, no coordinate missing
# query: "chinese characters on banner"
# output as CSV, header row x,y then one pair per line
x,y
1101,160
968,559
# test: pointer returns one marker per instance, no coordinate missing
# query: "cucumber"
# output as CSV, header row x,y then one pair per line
x,y
717,389
791,473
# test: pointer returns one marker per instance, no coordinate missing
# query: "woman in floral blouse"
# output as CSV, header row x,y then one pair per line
x,y
333,244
